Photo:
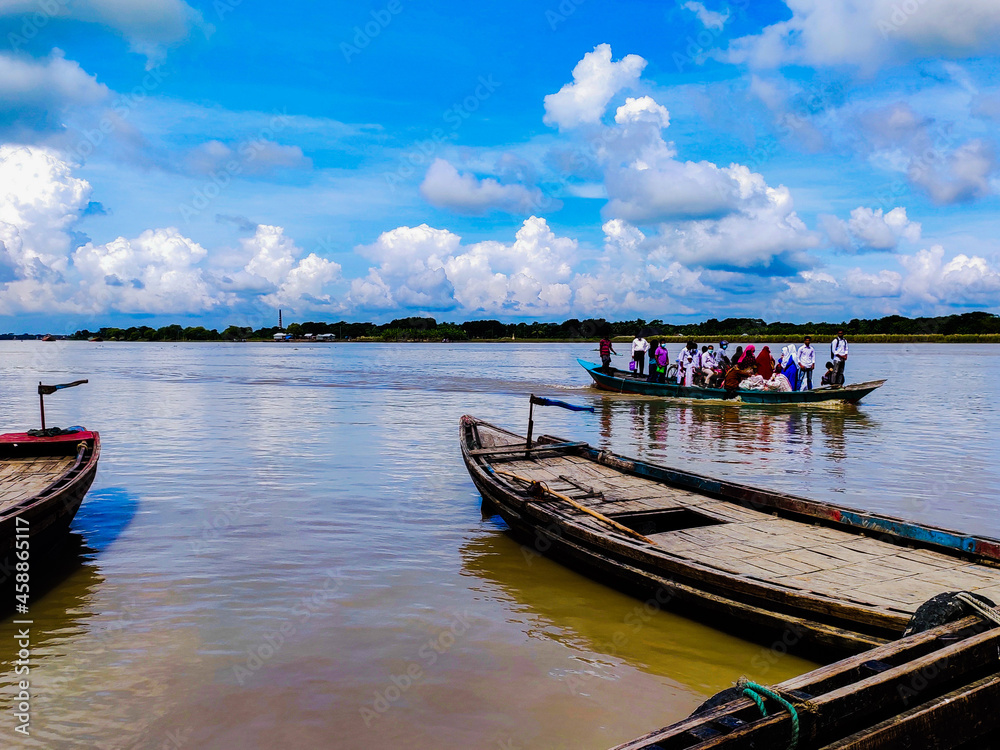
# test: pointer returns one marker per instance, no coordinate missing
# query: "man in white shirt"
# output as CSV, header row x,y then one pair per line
x,y
838,353
807,362
639,348
707,362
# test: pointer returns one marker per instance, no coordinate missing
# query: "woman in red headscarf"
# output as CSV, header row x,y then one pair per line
x,y
765,365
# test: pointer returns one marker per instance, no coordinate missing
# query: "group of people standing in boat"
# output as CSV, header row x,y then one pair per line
x,y
747,369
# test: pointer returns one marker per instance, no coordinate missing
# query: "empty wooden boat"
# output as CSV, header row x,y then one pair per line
x,y
43,480
744,559
618,381
936,689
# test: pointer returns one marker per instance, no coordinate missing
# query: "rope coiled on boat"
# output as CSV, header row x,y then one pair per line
x,y
757,693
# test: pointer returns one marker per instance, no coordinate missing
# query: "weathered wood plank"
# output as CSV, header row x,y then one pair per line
x,y
832,687
903,590
950,721
964,577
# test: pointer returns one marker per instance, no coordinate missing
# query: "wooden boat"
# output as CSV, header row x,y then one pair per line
x,y
741,558
43,480
623,382
937,689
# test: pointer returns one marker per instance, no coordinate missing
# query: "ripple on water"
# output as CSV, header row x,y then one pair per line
x,y
277,533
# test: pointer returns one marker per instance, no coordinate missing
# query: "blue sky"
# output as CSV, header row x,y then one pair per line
x,y
210,162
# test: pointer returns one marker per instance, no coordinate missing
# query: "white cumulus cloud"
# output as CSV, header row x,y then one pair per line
x,y
296,283
872,230
957,177
872,33
149,25
445,187
596,79
642,109
884,283
154,273
40,199
430,269
963,280
35,94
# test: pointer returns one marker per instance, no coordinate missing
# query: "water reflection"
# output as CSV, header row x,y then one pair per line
x,y
728,433
552,602
63,583
61,595
104,517
253,469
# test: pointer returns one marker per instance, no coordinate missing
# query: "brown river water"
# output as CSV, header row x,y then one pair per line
x,y
283,548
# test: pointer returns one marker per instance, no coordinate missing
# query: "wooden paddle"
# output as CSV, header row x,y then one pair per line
x,y
578,506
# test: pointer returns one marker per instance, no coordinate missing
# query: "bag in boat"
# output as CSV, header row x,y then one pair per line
x,y
631,366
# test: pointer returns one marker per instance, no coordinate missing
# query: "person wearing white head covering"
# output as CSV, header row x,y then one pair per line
x,y
788,353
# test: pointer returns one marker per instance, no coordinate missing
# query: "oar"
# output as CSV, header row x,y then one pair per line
x,y
577,505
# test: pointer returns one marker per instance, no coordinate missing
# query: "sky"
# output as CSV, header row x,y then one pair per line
x,y
208,163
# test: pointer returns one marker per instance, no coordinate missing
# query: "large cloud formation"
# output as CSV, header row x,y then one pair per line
x,y
681,236
872,33
160,272
704,215
150,26
431,268
35,94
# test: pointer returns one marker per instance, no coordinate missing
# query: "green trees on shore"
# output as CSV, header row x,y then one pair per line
x,y
428,329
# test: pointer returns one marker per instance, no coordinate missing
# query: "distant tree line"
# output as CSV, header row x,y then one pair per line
x,y
428,329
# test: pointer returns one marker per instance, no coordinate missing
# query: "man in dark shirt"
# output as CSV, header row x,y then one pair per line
x,y
607,349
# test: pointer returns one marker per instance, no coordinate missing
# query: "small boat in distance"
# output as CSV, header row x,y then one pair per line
x,y
751,561
622,382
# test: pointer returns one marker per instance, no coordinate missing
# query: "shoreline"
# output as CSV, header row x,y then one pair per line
x,y
881,338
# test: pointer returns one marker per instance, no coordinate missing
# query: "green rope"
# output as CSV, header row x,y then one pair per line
x,y
757,693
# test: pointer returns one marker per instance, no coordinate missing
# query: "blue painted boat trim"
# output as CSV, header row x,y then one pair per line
x,y
911,531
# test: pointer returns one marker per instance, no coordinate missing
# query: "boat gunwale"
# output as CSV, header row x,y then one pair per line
x,y
789,506
907,658
61,485
866,618
656,561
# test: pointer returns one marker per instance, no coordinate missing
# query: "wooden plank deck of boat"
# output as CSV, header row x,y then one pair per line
x,y
756,545
21,479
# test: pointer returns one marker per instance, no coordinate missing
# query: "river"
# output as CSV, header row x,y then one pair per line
x,y
283,548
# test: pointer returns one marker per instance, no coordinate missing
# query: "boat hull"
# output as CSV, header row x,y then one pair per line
x,y
798,614
46,513
661,592
620,382
938,688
